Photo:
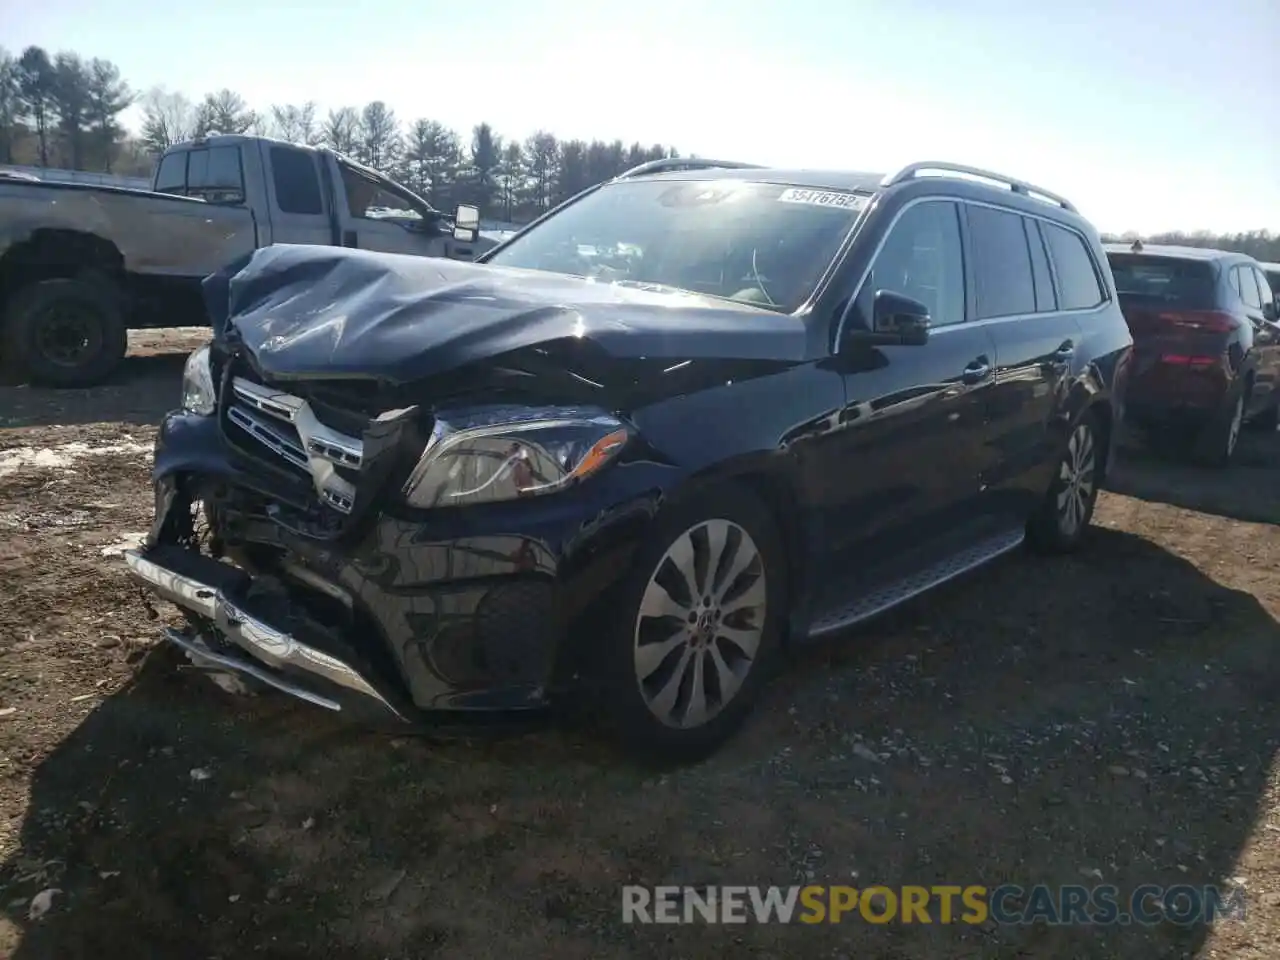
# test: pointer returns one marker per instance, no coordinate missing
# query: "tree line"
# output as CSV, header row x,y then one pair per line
x,y
63,110
60,110
1262,245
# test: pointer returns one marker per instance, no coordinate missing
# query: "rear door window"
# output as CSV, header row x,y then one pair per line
x,y
1078,285
296,182
1264,285
1249,292
1001,263
171,177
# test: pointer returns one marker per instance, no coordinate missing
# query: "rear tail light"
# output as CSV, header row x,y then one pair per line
x,y
1194,362
1203,321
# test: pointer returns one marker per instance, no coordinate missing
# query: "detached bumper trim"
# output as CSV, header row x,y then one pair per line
x,y
271,646
205,657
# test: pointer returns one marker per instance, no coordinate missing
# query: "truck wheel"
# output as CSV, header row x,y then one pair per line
x,y
64,333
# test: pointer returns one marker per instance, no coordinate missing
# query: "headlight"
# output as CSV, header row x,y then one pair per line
x,y
198,392
514,459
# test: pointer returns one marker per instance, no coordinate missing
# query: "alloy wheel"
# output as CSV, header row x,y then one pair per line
x,y
700,624
1077,481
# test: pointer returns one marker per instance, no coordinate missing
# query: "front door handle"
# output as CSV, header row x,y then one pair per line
x,y
977,371
1064,353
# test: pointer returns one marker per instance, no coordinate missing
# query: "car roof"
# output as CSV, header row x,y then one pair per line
x,y
812,179
1269,266
967,182
1175,251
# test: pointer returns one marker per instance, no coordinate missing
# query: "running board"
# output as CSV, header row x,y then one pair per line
x,y
891,595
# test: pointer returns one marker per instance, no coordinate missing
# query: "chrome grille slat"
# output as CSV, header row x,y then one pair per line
x,y
287,426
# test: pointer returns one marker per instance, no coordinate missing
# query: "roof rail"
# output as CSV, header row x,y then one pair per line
x,y
685,163
912,170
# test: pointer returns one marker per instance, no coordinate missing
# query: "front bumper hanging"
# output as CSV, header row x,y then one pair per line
x,y
257,649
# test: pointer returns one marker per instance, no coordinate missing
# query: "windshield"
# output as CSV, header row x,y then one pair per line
x,y
1188,283
1273,277
761,243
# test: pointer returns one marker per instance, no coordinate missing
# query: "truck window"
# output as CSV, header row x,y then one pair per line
x,y
297,185
371,199
171,177
214,175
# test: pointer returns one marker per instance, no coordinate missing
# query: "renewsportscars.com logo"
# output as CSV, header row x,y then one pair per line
x,y
1102,905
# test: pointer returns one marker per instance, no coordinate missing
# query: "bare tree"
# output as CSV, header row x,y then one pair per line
x,y
224,112
341,130
380,143
296,123
168,117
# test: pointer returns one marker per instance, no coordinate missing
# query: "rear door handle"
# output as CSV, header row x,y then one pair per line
x,y
977,371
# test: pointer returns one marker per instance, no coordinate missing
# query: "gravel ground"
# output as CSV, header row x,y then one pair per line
x,y
1111,715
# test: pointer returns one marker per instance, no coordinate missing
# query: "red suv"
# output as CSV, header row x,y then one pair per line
x,y
1206,334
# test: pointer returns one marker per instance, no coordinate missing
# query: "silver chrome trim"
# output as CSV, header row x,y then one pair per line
x,y
318,448
257,638
968,561
912,170
206,659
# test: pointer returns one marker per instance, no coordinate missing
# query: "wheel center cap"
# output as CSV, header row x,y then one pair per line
x,y
705,624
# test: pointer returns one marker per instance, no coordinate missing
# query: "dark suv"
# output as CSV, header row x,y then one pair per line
x,y
1206,344
692,414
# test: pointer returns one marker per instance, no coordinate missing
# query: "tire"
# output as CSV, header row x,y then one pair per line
x,y
644,703
44,321
1268,420
1217,446
1062,521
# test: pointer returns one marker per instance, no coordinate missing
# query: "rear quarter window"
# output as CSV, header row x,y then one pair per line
x,y
1078,284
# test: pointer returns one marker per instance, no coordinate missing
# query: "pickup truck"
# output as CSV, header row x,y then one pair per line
x,y
80,265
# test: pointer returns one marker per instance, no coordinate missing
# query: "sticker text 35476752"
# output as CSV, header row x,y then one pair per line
x,y
823,198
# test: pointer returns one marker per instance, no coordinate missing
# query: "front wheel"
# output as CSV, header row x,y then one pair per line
x,y
697,628
1067,509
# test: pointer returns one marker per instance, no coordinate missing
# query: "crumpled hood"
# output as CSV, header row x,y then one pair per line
x,y
314,312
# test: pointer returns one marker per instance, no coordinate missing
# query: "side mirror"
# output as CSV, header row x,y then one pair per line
x,y
1271,311
899,320
466,223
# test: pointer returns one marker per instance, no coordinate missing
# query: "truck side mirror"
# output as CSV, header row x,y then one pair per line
x,y
466,223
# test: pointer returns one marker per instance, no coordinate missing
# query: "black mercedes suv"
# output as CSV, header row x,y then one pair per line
x,y
692,415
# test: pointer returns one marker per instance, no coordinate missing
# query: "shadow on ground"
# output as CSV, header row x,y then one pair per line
x,y
141,391
1112,714
1248,490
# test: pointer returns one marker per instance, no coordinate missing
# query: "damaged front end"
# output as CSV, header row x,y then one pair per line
x,y
386,549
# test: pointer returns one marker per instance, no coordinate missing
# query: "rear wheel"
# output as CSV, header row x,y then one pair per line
x,y
64,333
1217,447
697,628
1269,419
1067,509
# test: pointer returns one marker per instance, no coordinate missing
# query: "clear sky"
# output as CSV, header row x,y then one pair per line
x,y
1149,114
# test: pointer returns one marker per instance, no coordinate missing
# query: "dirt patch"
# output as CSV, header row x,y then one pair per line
x,y
1112,714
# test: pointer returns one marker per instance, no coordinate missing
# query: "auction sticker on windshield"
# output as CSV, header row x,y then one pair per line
x,y
823,198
